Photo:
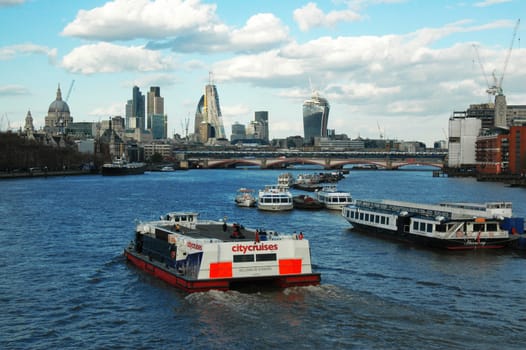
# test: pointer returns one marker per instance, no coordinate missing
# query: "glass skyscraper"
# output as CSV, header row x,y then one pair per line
x,y
315,118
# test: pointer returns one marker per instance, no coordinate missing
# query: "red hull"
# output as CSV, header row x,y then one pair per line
x,y
223,284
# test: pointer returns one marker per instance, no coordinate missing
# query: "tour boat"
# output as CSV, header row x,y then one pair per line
x,y
454,226
333,198
245,197
199,255
274,198
120,166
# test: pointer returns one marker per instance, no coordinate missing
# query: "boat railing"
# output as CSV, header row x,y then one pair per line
x,y
403,208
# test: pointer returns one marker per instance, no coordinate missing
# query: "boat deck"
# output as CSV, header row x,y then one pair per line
x,y
213,231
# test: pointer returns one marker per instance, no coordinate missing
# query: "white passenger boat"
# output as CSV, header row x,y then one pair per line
x,y
245,197
274,198
333,198
454,226
198,255
285,180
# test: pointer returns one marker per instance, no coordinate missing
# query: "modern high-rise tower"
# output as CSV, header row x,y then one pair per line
x,y
208,114
315,118
262,118
155,105
137,119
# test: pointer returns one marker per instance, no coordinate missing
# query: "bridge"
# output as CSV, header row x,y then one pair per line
x,y
327,160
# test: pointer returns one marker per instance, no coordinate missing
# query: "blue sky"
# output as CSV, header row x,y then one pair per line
x,y
394,67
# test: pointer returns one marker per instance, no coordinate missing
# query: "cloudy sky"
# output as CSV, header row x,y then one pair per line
x,y
393,67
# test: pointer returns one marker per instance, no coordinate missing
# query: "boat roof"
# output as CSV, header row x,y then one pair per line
x,y
447,210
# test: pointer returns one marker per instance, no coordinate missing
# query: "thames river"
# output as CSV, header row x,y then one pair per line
x,y
65,283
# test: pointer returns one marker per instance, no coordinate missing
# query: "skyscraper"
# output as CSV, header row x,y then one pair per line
x,y
208,120
155,104
262,118
137,119
315,118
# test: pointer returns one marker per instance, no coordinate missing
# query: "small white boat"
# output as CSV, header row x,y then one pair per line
x,y
275,198
245,197
167,168
334,199
286,180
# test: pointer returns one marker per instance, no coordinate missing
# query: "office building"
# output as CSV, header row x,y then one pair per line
x,y
315,118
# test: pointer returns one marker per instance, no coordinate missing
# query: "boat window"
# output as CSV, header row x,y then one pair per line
x,y
387,221
440,228
367,217
266,257
491,227
361,216
377,219
478,227
423,226
415,225
243,258
429,228
382,220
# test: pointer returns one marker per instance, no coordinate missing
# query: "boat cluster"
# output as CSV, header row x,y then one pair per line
x,y
279,197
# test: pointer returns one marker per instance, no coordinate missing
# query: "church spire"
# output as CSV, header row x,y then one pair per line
x,y
59,94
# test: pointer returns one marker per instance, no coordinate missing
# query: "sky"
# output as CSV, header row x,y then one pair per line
x,y
389,68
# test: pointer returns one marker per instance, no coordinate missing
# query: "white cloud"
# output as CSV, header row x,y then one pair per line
x,y
130,19
487,3
310,16
10,52
261,31
110,58
13,90
182,26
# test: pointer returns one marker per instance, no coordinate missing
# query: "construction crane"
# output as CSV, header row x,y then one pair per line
x,y
69,90
380,131
488,86
184,126
496,89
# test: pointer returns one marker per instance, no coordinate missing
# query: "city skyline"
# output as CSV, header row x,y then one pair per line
x,y
382,65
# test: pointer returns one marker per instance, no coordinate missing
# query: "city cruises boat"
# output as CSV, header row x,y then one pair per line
x,y
303,201
274,198
333,198
199,255
120,166
454,226
245,197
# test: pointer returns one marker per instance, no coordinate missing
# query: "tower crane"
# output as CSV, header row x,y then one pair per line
x,y
496,89
69,90
475,48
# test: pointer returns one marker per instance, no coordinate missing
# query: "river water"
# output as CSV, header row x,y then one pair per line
x,y
65,283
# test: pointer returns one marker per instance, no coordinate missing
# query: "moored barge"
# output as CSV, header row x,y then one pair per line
x,y
454,226
199,255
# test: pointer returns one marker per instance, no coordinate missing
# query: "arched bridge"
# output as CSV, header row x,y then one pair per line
x,y
326,160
